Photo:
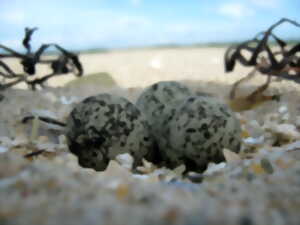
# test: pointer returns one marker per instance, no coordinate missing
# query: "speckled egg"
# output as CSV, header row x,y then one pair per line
x,y
199,130
103,126
158,103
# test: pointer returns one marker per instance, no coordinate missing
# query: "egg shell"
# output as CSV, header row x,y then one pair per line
x,y
158,103
202,126
101,127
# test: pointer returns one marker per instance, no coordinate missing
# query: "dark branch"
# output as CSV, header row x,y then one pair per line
x,y
44,119
66,62
280,66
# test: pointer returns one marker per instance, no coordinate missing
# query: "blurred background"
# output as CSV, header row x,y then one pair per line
x,y
97,24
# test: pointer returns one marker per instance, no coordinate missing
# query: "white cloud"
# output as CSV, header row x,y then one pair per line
x,y
236,10
112,29
135,2
131,21
181,28
266,3
16,17
14,43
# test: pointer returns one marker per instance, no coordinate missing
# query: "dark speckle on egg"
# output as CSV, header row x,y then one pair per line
x,y
189,128
158,103
199,130
101,127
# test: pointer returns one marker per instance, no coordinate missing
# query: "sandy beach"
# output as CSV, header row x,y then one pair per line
x,y
142,67
260,185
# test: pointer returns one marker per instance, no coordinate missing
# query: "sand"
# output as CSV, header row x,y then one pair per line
x,y
259,186
141,67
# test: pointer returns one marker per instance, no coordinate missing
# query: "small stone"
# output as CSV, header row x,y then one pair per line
x,y
266,165
3,149
283,109
254,141
125,160
231,156
50,96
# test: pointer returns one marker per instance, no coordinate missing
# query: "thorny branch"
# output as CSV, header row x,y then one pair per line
x,y
66,62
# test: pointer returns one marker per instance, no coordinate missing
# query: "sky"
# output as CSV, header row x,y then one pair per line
x,y
85,24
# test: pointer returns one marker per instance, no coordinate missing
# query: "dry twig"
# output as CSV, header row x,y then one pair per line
x,y
66,62
284,63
